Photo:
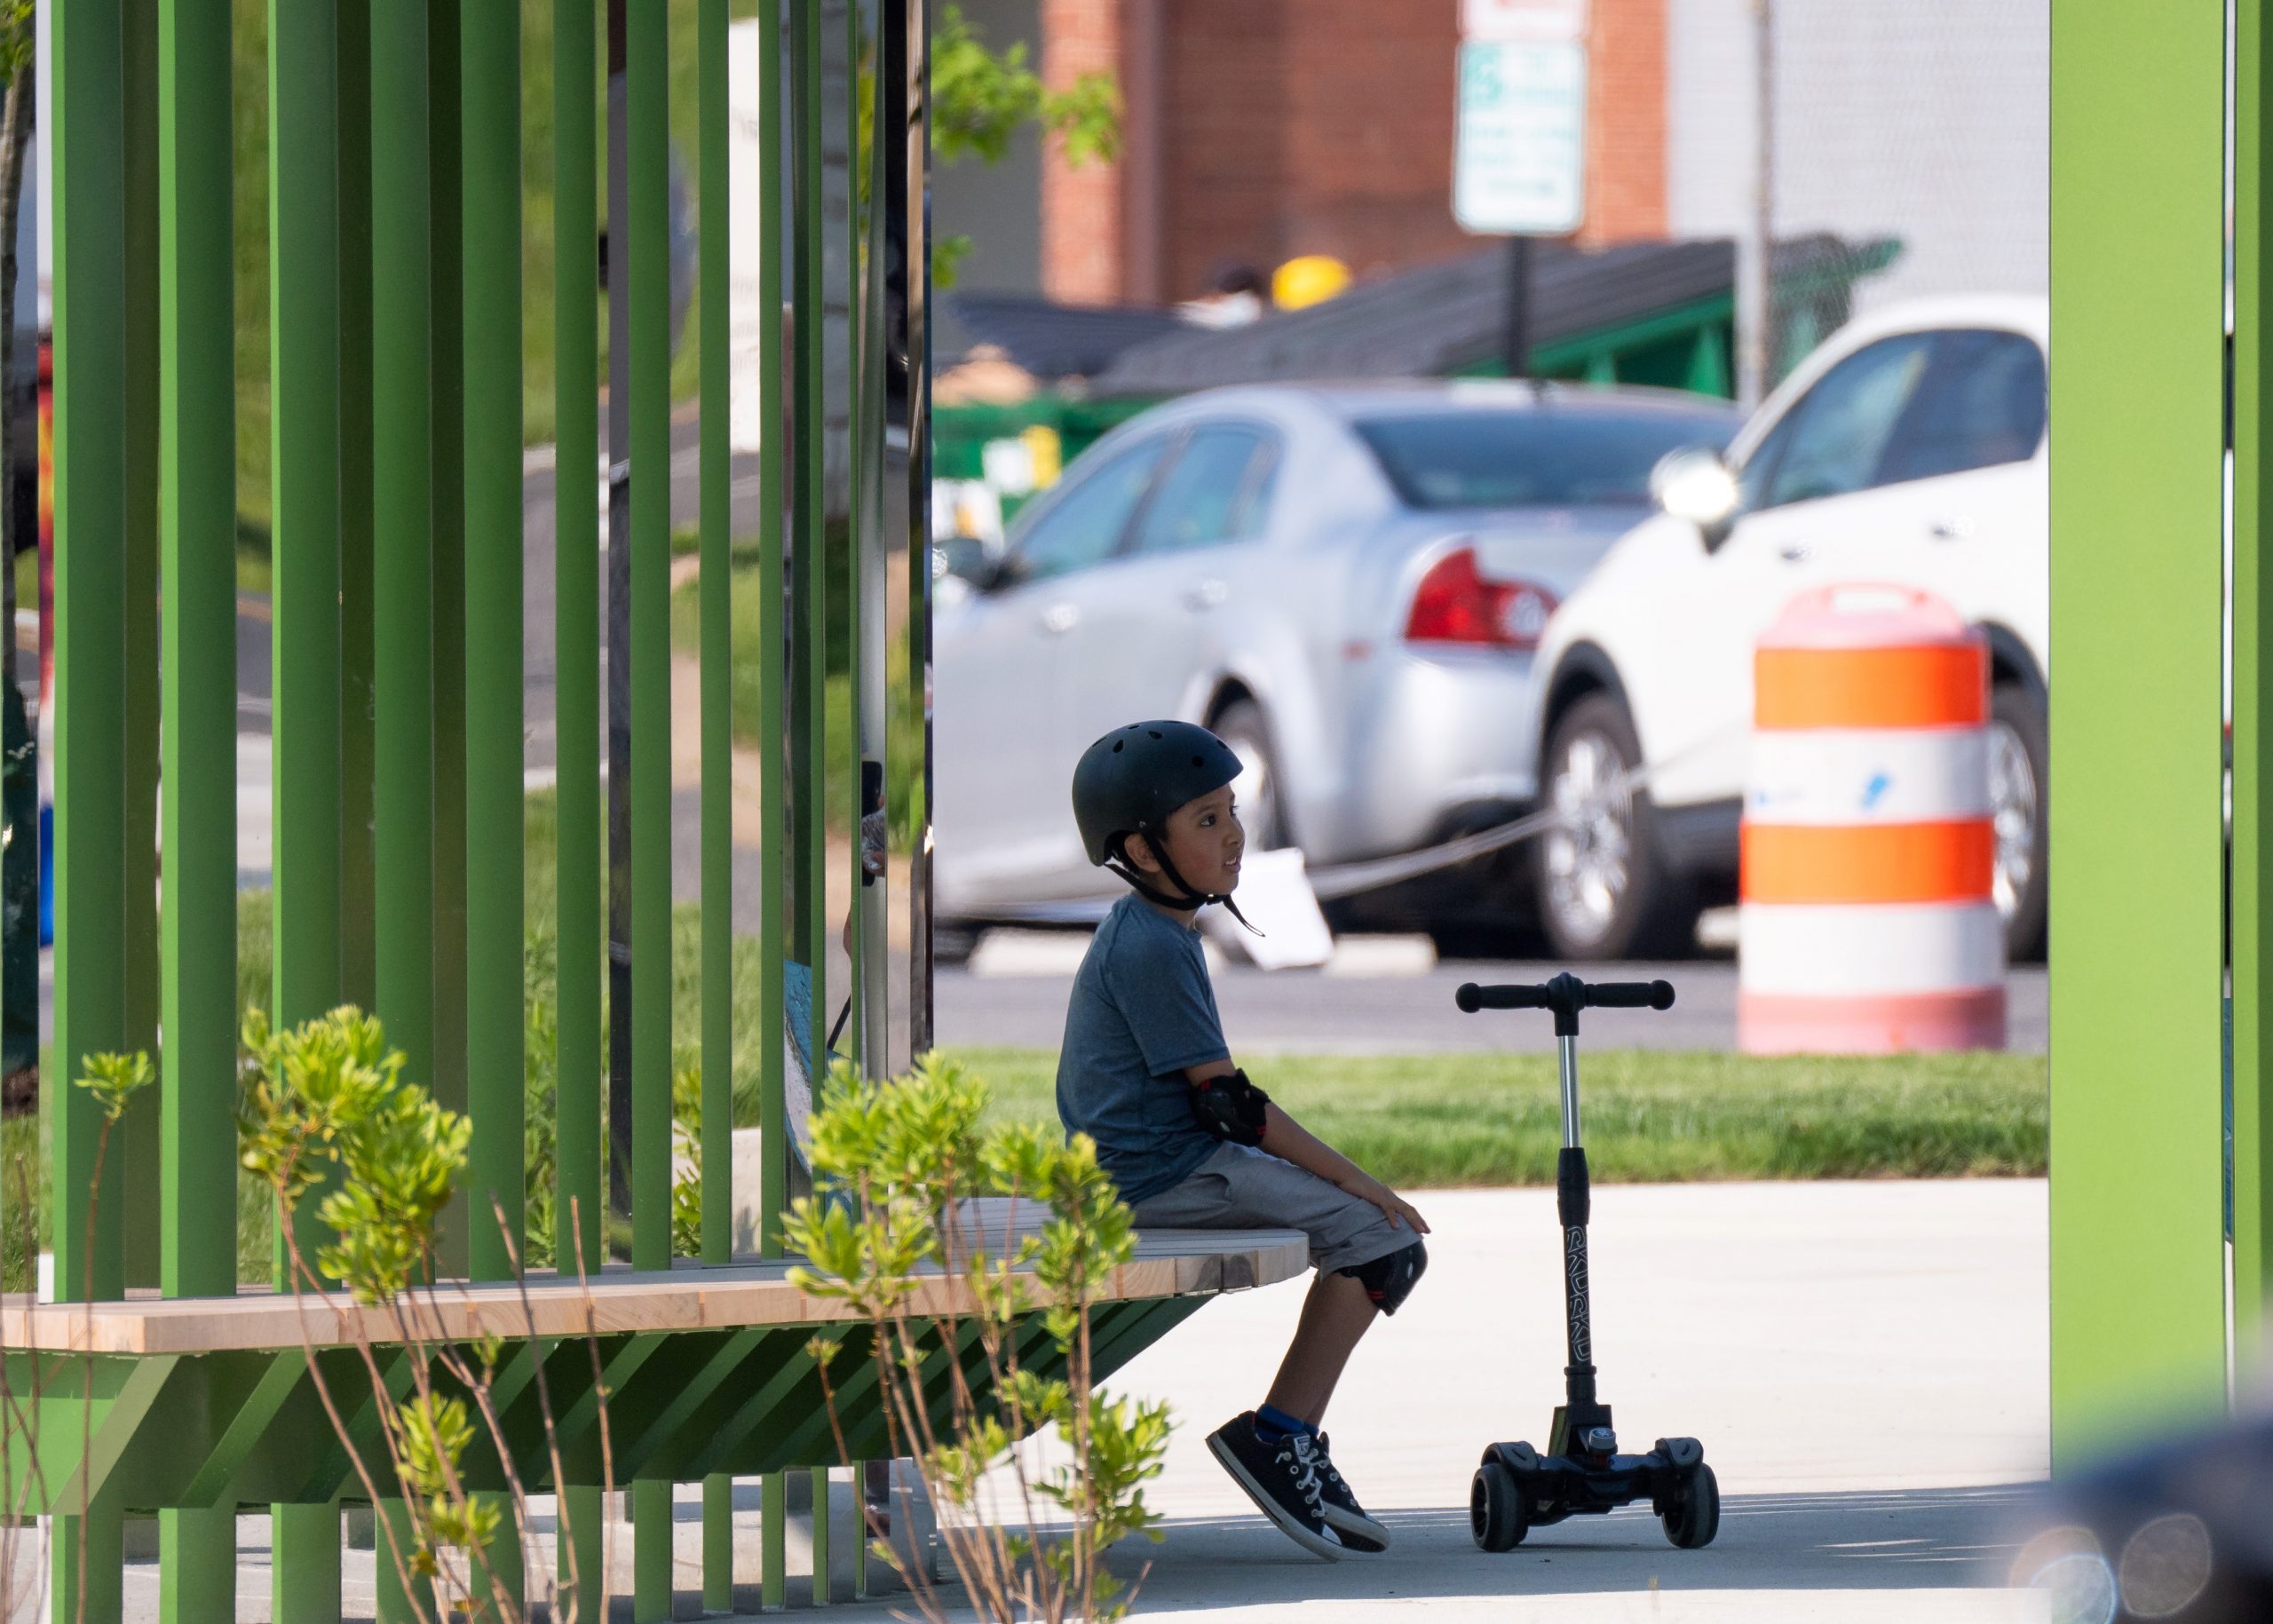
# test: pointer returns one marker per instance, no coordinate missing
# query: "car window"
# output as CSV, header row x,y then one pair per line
x,y
1537,456
1214,491
1982,404
1086,522
1840,429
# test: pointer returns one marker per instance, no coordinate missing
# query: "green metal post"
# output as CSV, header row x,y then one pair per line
x,y
2138,1295
494,1021
773,837
773,1540
133,1164
303,324
808,546
646,235
2253,691
648,232
402,523
402,613
583,1529
91,387
821,1583
358,700
446,258
714,298
576,702
89,363
197,438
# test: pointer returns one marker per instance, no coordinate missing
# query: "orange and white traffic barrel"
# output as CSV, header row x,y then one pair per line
x,y
1869,924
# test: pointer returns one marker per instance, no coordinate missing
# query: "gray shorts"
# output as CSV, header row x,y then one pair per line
x,y
1241,1188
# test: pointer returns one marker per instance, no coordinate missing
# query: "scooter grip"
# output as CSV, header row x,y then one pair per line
x,y
1472,997
1629,994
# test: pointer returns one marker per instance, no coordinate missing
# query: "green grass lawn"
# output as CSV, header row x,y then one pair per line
x,y
1441,1120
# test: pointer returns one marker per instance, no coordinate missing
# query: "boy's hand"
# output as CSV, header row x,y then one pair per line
x,y
1400,1212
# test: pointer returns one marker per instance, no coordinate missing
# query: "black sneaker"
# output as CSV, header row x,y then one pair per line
x,y
1282,1479
1340,1507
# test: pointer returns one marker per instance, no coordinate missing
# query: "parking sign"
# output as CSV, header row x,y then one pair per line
x,y
1519,166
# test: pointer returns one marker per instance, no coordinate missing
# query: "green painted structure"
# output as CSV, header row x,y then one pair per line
x,y
2142,1209
395,277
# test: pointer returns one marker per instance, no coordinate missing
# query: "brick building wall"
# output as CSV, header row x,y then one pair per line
x,y
1259,129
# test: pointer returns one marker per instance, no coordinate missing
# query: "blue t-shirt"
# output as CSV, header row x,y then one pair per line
x,y
1142,1010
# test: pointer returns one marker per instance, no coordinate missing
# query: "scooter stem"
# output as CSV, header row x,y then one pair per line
x,y
1573,1201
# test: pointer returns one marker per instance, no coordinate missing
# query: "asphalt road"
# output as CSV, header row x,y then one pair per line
x,y
1395,1011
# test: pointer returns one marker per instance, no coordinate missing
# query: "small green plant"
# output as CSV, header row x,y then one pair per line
x,y
900,1165
326,1109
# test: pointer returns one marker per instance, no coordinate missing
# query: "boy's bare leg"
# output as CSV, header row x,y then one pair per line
x,y
1335,1315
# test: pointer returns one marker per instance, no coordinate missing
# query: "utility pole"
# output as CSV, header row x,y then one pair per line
x,y
1757,243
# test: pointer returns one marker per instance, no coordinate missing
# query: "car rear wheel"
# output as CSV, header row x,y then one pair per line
x,y
2018,804
1242,726
1605,891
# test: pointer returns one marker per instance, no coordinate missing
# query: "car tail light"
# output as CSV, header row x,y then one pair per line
x,y
1455,605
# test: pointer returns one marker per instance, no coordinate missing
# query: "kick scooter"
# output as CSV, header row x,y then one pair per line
x,y
1580,1472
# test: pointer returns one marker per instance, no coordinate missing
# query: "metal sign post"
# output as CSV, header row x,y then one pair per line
x,y
1519,158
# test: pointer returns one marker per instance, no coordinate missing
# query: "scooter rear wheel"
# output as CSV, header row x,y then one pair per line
x,y
1696,1516
1498,1514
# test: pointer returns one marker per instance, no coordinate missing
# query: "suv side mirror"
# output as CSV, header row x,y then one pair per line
x,y
1695,484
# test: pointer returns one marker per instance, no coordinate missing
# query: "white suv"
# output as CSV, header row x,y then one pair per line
x,y
1908,449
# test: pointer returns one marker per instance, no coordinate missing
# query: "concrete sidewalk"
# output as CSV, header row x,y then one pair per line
x,y
1866,1364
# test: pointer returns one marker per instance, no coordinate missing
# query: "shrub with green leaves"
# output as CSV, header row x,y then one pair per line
x,y
899,1165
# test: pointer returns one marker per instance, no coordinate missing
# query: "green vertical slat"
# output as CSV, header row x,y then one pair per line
x,y
821,1583
443,80
773,1540
2250,899
402,534
2137,223
851,389
197,479
494,1084
579,1558
197,418
90,362
773,1167
2253,677
809,663
303,316
714,299
651,1547
575,553
718,1543
134,1157
358,700
648,236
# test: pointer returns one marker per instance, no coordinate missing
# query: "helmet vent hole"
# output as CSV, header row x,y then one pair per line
x,y
1116,747
1197,761
1155,732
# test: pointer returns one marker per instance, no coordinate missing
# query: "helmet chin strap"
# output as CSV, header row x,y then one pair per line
x,y
1187,898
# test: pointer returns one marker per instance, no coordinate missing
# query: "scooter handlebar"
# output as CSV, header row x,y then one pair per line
x,y
1591,995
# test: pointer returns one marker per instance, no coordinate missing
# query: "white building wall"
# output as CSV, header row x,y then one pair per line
x,y
1924,120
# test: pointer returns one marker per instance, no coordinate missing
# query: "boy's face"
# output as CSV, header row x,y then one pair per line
x,y
1203,839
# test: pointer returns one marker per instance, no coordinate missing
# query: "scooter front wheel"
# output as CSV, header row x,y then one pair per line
x,y
1696,1515
1498,1512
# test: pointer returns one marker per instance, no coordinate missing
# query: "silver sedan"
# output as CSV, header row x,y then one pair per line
x,y
1347,583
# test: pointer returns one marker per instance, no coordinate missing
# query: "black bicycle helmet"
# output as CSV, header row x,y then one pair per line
x,y
1127,783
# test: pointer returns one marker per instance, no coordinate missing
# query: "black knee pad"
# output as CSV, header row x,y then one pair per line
x,y
1390,1280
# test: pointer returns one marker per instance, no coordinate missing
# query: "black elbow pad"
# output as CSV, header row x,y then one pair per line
x,y
1230,1108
